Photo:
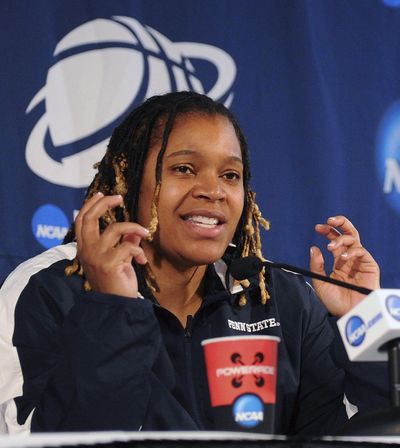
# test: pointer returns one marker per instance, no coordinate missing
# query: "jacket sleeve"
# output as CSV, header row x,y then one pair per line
x,y
108,347
96,364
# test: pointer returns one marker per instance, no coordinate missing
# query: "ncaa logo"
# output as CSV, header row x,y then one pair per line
x,y
393,306
49,225
388,155
101,70
355,331
392,3
248,410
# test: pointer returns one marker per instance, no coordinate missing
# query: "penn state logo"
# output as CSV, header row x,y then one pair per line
x,y
101,70
388,155
393,306
355,331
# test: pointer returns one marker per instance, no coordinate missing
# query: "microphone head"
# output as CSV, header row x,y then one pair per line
x,y
246,267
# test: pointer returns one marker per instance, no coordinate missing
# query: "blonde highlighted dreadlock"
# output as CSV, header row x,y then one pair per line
x,y
152,228
120,173
252,244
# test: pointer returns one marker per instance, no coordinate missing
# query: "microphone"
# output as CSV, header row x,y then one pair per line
x,y
365,329
247,267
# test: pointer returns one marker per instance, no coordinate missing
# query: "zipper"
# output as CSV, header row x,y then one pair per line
x,y
189,326
189,369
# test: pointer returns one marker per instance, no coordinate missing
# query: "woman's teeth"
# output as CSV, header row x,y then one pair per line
x,y
203,221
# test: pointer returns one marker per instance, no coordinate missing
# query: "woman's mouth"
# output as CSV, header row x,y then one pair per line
x,y
202,221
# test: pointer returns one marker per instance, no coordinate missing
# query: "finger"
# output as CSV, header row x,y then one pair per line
x,y
353,258
132,238
343,242
78,220
89,202
123,231
328,231
344,224
125,252
355,252
90,230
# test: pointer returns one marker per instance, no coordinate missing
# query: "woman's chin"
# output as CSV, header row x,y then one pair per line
x,y
188,256
201,258
208,258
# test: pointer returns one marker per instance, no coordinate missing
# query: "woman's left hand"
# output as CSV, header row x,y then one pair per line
x,y
352,264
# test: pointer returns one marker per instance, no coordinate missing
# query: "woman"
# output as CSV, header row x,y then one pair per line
x,y
168,210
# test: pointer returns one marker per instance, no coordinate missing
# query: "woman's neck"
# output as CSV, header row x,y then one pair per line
x,y
180,290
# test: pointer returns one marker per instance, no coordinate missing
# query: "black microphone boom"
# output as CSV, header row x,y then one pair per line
x,y
247,267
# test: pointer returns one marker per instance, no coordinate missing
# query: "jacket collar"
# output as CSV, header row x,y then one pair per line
x,y
218,285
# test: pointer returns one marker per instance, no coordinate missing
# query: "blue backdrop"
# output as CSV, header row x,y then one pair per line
x,y
315,84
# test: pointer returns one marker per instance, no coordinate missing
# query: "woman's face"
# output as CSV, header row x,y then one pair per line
x,y
202,193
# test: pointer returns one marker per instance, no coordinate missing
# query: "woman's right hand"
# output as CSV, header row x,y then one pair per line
x,y
107,257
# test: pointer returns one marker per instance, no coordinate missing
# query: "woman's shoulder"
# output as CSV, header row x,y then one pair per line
x,y
46,261
294,296
40,277
290,283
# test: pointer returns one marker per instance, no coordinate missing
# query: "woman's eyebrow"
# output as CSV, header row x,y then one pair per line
x,y
182,152
190,152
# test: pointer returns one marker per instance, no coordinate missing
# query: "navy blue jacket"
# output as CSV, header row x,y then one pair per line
x,y
91,361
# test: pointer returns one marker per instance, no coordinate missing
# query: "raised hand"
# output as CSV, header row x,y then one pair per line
x,y
352,264
107,256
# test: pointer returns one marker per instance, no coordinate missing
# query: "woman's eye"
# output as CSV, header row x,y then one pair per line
x,y
232,175
184,169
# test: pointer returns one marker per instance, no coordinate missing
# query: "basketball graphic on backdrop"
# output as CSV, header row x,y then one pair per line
x,y
102,69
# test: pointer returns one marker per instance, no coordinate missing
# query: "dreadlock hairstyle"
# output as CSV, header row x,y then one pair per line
x,y
120,172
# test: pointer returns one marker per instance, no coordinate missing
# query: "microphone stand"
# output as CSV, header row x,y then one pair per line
x,y
383,422
393,348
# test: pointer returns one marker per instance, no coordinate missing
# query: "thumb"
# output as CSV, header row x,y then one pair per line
x,y
317,262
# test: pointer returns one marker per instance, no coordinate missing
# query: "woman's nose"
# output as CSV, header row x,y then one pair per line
x,y
209,187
